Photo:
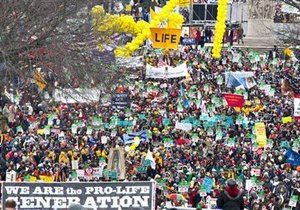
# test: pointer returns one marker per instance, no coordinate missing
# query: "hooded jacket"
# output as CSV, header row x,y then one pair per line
x,y
231,199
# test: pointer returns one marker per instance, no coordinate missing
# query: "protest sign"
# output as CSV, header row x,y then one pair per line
x,y
165,38
46,178
234,100
183,187
89,173
166,72
293,201
68,95
249,184
116,163
130,62
105,195
168,142
207,184
293,157
183,126
260,131
120,100
11,176
255,172
188,41
287,119
240,79
203,191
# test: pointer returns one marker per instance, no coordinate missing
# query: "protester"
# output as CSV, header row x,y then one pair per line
x,y
208,34
231,198
231,36
240,34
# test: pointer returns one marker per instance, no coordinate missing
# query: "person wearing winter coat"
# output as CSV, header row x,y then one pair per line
x,y
231,198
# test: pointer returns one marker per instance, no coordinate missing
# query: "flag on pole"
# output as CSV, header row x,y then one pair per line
x,y
150,158
39,80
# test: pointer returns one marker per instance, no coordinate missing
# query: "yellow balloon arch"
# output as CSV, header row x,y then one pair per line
x,y
220,28
166,18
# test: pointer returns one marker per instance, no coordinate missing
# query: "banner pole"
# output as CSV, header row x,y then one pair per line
x,y
191,12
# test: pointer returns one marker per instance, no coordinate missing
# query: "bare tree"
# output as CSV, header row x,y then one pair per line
x,y
55,38
293,3
288,32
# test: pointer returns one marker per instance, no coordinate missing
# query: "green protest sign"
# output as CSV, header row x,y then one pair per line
x,y
142,116
293,200
183,187
142,169
168,142
147,163
112,174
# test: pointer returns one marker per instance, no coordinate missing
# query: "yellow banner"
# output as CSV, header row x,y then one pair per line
x,y
261,136
32,179
165,38
47,178
287,119
184,3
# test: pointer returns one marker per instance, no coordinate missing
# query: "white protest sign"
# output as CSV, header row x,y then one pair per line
x,y
69,95
249,184
293,201
183,126
166,72
255,172
74,164
11,176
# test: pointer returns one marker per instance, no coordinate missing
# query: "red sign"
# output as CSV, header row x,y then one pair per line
x,y
234,100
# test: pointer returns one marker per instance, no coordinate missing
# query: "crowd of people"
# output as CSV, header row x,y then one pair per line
x,y
221,144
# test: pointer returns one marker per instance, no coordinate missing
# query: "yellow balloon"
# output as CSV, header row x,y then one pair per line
x,y
140,30
136,140
132,148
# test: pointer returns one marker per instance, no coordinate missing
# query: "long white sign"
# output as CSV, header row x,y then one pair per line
x,y
77,95
183,126
166,72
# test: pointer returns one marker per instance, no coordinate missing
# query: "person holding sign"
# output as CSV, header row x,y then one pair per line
x,y
231,198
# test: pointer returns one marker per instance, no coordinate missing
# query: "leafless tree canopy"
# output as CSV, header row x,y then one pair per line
x,y
290,32
52,35
294,3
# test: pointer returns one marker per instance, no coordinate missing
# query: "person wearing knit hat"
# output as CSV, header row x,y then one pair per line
x,y
231,198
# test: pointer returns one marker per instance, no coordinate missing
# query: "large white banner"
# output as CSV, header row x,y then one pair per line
x,y
77,95
166,72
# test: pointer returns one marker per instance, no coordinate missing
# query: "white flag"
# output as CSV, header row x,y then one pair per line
x,y
149,156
